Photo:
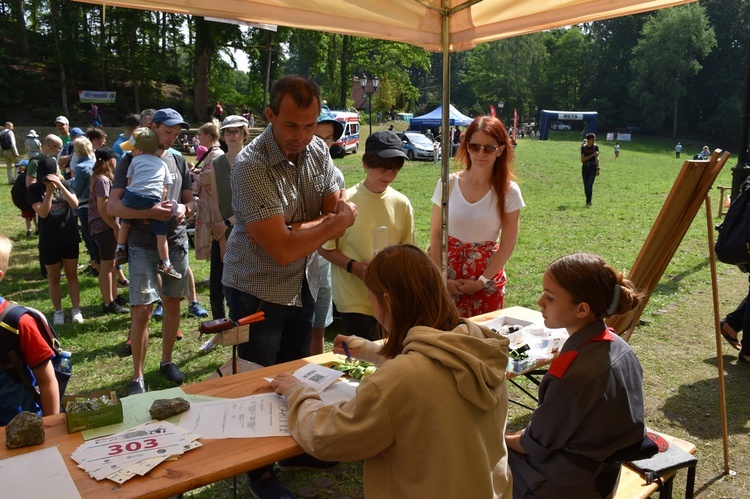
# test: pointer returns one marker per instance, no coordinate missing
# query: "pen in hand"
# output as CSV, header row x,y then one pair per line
x,y
346,351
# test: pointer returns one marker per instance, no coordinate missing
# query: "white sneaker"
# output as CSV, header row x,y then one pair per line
x,y
209,345
59,318
76,316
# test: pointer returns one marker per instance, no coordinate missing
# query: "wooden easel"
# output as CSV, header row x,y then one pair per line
x,y
690,190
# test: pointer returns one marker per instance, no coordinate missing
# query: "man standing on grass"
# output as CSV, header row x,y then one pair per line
x,y
10,150
143,256
286,203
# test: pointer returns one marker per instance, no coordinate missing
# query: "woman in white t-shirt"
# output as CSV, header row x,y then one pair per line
x,y
484,208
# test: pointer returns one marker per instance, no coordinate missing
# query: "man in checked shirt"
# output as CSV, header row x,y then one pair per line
x,y
286,204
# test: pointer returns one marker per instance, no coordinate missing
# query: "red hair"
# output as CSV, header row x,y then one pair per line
x,y
502,172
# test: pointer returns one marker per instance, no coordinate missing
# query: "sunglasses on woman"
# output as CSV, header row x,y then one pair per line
x,y
488,148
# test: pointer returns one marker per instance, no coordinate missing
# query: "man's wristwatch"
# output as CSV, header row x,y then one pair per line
x,y
228,223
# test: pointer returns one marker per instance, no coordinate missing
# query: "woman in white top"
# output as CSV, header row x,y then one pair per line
x,y
484,207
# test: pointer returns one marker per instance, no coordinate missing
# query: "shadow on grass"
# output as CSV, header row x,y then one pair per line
x,y
700,400
670,283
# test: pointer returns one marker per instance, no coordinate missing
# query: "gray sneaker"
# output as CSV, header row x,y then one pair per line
x,y
137,387
172,373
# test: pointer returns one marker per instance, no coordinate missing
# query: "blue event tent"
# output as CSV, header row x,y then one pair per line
x,y
434,118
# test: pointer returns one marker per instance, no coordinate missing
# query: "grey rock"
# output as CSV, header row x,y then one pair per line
x,y
25,429
163,408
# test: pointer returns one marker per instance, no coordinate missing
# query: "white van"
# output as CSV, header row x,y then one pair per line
x,y
349,141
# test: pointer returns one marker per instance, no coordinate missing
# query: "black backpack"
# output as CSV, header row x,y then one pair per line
x,y
733,243
11,359
5,142
20,195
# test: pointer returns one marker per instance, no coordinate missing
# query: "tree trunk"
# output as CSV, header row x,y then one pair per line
x,y
346,84
267,79
674,118
134,75
23,34
201,69
54,12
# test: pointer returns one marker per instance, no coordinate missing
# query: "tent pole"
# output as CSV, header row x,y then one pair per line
x,y
719,355
445,140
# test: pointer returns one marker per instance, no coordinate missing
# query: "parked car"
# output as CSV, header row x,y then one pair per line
x,y
417,146
561,126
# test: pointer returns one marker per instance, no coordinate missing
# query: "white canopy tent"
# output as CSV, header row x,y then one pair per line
x,y
435,25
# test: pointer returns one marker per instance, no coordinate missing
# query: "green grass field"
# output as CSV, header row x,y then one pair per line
x,y
675,344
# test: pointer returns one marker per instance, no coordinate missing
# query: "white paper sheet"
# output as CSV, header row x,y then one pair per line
x,y
263,415
40,473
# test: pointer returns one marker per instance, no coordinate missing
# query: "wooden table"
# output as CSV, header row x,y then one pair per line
x,y
217,459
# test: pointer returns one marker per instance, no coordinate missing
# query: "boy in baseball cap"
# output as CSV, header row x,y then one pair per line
x,y
385,217
148,177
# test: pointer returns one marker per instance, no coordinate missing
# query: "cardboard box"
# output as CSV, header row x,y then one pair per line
x,y
106,415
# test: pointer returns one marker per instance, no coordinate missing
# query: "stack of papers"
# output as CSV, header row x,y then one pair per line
x,y
135,451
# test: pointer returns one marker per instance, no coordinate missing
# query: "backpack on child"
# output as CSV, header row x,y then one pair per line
x,y
12,360
733,242
20,195
5,142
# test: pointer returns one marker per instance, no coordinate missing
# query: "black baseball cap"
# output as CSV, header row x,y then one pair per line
x,y
385,144
105,154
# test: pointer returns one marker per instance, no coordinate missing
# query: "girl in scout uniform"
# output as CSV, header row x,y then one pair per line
x,y
591,399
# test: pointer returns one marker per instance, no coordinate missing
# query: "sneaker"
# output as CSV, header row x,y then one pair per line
x,y
121,257
168,271
158,311
76,316
209,345
91,271
137,386
196,310
59,318
179,335
122,283
268,486
172,373
122,302
28,233
114,308
305,461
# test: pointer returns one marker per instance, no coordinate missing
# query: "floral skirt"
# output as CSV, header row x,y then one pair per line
x,y
468,261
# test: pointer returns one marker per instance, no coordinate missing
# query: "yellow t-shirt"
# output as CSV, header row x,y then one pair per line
x,y
390,209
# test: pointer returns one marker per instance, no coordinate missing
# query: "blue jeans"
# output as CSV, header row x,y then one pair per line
x,y
285,333
588,172
88,240
142,202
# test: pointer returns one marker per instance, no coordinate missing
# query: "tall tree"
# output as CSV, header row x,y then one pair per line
x,y
668,54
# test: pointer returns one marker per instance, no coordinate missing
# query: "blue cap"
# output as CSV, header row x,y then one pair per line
x,y
338,127
169,117
76,132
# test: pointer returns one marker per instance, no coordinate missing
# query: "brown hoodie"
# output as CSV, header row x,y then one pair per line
x,y
428,423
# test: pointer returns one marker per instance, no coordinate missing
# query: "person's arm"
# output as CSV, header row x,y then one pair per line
x,y
336,257
436,242
513,441
508,239
115,208
287,245
49,391
101,205
219,230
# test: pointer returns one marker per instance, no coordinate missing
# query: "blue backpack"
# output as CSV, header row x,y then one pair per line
x,y
11,358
